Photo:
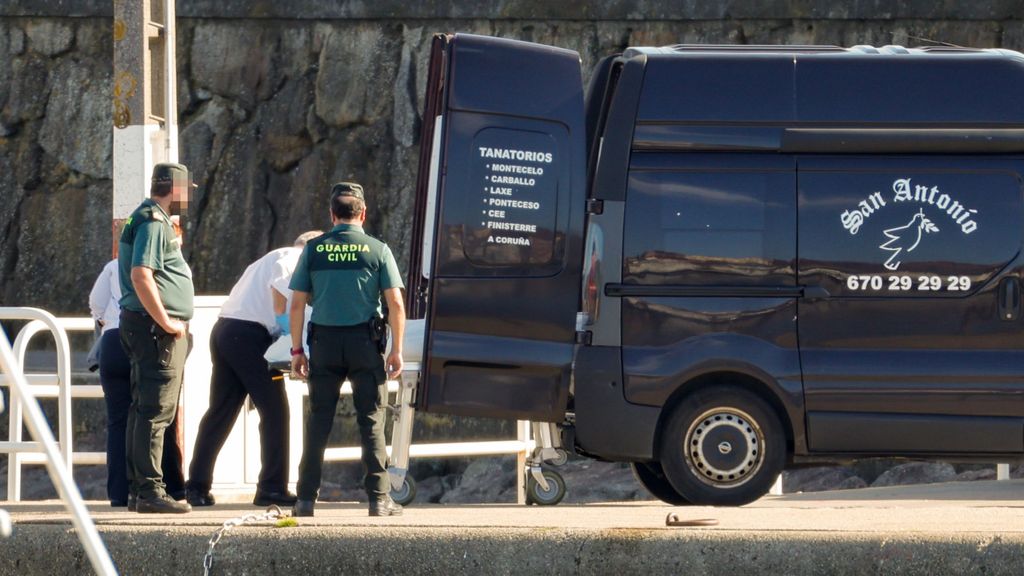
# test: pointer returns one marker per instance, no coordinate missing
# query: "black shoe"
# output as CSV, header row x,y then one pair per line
x,y
199,497
384,506
118,503
133,501
303,508
178,495
284,498
162,504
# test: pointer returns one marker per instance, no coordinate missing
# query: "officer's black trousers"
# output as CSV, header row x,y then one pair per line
x,y
115,378
239,370
337,354
157,367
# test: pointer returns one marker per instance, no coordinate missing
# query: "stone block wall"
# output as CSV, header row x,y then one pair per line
x,y
278,99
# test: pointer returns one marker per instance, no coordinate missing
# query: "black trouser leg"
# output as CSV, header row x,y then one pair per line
x,y
172,462
326,373
156,389
115,378
369,395
226,398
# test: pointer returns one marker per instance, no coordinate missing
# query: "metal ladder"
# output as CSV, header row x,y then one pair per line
x,y
43,436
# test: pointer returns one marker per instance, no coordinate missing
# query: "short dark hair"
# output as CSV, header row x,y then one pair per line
x,y
160,189
347,207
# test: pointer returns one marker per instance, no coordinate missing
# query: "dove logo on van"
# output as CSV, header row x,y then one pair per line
x,y
902,239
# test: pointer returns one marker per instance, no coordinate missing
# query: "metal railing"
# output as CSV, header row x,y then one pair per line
x,y
53,385
58,461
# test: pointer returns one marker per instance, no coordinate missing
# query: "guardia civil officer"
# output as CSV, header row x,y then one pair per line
x,y
156,304
345,272
253,316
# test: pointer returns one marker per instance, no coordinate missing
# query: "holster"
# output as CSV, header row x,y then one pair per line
x,y
379,333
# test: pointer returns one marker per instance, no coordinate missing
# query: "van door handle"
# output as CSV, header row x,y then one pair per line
x,y
1009,299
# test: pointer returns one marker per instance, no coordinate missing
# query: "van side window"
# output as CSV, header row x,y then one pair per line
x,y
867,230
710,228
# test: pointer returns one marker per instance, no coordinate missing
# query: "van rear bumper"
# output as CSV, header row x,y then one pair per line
x,y
607,426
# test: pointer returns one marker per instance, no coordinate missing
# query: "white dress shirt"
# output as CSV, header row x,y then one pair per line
x,y
105,295
251,297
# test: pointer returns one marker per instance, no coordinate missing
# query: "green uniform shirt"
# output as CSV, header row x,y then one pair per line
x,y
148,240
345,270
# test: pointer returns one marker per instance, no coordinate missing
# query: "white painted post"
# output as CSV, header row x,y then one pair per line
x,y
1002,471
143,136
523,436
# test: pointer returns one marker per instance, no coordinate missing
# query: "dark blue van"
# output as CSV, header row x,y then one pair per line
x,y
719,261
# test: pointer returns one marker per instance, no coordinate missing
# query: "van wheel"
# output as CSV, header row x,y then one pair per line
x,y
723,446
651,476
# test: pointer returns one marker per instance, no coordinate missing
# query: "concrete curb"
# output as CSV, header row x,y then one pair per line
x,y
53,549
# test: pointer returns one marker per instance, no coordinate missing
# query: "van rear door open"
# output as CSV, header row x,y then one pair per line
x,y
500,215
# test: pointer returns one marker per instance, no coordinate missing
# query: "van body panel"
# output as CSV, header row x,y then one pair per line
x,y
884,434
503,287
913,324
606,424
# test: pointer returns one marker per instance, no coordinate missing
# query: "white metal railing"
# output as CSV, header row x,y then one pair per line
x,y
53,385
58,385
57,462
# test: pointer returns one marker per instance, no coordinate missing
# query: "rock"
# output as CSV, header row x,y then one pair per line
x,y
405,119
50,37
236,62
76,129
356,69
28,91
202,141
74,232
231,225
916,473
486,480
819,479
588,481
980,474
17,40
284,140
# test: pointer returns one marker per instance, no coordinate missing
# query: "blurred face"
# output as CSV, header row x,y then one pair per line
x,y
179,198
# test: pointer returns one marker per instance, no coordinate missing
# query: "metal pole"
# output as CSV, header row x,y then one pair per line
x,y
69,494
171,83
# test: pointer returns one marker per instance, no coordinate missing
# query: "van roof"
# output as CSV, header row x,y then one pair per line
x,y
862,86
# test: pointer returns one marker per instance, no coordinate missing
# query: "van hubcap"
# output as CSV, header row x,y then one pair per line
x,y
724,447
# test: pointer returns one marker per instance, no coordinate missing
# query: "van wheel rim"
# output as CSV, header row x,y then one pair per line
x,y
724,447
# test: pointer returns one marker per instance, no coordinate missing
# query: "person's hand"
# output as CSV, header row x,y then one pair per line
x,y
394,365
300,367
176,327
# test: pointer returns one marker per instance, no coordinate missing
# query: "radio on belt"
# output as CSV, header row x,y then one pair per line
x,y
719,261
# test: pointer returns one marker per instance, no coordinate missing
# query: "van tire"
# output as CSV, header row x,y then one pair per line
x,y
651,476
735,447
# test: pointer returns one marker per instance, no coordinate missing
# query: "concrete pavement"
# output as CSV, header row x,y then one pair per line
x,y
954,528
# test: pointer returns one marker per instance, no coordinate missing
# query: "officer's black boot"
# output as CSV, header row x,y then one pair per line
x,y
384,506
303,508
162,504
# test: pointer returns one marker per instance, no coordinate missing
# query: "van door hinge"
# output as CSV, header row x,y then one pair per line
x,y
584,337
595,206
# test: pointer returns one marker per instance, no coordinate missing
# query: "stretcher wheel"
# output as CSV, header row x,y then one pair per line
x,y
407,493
561,458
535,494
